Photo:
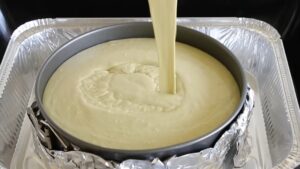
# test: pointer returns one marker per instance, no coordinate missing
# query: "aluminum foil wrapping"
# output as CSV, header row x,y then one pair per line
x,y
230,151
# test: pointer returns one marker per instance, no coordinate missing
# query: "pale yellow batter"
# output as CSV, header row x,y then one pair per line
x,y
163,15
108,95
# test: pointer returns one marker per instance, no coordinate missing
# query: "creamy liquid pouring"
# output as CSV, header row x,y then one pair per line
x,y
163,14
108,95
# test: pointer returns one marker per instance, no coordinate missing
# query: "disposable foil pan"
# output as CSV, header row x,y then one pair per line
x,y
275,134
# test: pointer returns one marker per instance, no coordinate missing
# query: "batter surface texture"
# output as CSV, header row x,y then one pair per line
x,y
108,95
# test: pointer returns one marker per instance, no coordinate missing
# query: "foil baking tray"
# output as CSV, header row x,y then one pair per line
x,y
274,128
